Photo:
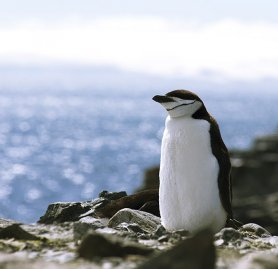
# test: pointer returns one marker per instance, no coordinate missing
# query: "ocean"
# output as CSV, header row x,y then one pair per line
x,y
68,145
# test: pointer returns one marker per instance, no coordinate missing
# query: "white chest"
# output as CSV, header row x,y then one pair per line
x,y
189,196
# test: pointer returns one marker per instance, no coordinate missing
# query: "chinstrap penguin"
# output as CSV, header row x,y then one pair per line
x,y
195,186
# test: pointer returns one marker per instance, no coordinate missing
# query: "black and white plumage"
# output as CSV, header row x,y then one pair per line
x,y
195,185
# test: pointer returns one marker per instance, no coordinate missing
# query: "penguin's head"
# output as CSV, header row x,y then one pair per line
x,y
180,103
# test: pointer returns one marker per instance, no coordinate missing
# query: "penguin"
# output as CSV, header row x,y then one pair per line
x,y
195,169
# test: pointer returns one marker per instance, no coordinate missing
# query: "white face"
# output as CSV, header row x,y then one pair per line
x,y
180,107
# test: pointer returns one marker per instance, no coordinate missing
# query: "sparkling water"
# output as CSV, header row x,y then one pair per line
x,y
60,145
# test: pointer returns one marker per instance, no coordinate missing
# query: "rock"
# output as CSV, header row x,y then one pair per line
x,y
135,228
146,221
10,261
267,143
62,212
160,231
261,209
134,236
105,206
171,237
16,232
254,174
255,229
151,179
87,224
228,235
248,238
135,201
96,245
94,223
183,233
197,252
6,222
112,195
73,211
263,260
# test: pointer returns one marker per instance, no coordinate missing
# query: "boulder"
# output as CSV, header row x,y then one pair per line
x,y
263,260
151,179
145,222
73,211
96,245
16,232
260,209
86,225
138,201
62,212
112,195
197,252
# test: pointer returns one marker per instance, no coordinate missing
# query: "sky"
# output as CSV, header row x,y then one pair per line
x,y
215,39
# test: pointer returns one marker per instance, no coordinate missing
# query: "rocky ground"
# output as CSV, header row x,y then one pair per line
x,y
117,230
75,235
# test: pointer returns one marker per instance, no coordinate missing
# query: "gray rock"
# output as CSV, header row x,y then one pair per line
x,y
73,211
131,229
197,252
16,232
94,222
96,245
135,238
267,143
160,231
62,212
172,237
146,221
87,224
112,195
145,201
255,173
183,233
263,260
228,235
251,237
10,261
255,229
151,179
260,209
6,222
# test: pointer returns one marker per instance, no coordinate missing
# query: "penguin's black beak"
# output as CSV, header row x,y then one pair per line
x,y
162,99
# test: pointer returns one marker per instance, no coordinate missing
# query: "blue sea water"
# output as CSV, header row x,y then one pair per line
x,y
70,145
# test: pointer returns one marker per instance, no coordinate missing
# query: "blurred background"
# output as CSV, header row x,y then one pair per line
x,y
77,80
